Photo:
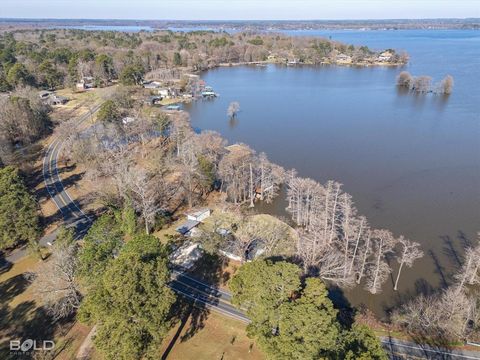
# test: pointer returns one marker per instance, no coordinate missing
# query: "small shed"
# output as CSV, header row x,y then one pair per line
x,y
199,215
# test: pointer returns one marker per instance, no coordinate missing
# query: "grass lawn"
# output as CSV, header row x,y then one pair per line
x,y
22,317
218,338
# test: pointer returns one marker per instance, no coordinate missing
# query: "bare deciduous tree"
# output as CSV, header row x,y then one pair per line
x,y
377,273
410,252
233,109
446,85
405,79
55,281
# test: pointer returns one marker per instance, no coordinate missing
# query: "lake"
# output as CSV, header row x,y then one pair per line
x,y
411,162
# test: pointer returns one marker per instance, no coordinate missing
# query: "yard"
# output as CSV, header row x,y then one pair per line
x,y
22,318
216,337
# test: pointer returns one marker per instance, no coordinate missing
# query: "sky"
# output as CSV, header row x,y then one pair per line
x,y
239,9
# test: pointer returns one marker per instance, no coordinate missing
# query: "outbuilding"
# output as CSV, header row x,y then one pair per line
x,y
199,215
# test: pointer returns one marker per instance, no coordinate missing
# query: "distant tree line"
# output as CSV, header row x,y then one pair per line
x,y
24,120
52,59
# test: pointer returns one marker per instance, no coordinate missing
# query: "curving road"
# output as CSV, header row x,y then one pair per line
x,y
201,293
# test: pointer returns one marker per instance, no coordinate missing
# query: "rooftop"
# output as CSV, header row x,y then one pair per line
x,y
187,226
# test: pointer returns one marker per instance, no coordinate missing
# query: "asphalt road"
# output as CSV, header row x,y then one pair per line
x,y
201,293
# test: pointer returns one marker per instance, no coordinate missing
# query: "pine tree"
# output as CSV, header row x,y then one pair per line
x,y
19,220
132,304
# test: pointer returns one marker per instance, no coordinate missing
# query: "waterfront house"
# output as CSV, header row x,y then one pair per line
x,y
165,93
153,100
87,82
127,120
385,56
151,85
57,100
186,255
44,95
342,58
255,249
233,251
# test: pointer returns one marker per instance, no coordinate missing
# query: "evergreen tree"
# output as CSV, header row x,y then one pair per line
x,y
360,343
109,112
132,75
291,321
132,304
262,287
19,75
127,218
308,327
105,68
18,210
51,77
102,242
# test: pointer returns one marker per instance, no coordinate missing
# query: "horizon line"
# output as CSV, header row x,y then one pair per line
x,y
244,20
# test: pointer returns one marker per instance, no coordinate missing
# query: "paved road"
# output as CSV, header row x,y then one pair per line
x,y
203,294
70,210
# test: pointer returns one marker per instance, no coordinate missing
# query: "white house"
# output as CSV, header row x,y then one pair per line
x,y
127,120
343,58
385,56
199,215
87,82
152,85
165,93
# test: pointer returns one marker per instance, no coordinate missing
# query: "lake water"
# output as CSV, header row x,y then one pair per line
x,y
411,162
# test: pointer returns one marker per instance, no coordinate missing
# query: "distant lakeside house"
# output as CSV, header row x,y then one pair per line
x,y
50,98
87,82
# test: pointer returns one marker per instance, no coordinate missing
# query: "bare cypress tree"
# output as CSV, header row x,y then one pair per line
x,y
383,243
233,109
409,253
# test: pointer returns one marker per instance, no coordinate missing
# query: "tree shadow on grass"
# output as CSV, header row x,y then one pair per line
x,y
191,311
5,265
24,321
13,287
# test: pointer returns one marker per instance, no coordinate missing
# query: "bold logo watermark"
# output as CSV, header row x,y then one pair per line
x,y
29,345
